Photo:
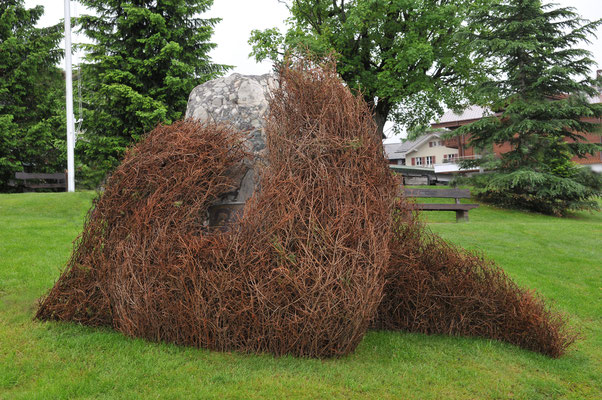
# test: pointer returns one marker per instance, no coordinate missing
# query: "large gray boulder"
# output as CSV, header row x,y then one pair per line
x,y
242,101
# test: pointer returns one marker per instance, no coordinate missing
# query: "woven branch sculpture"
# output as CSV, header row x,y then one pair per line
x,y
323,250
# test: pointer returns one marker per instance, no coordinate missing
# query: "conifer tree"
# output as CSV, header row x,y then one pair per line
x,y
32,134
542,98
145,59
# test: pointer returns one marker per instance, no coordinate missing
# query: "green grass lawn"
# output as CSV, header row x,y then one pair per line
x,y
562,258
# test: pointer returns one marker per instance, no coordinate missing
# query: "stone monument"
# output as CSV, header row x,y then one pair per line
x,y
241,101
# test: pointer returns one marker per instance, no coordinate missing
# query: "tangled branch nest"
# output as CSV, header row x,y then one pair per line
x,y
321,252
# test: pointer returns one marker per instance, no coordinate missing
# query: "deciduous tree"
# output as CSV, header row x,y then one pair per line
x,y
410,58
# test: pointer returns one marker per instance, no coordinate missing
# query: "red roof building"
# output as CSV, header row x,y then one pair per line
x,y
452,120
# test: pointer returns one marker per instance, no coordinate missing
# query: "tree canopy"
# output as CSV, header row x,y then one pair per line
x,y
32,135
410,58
145,59
543,99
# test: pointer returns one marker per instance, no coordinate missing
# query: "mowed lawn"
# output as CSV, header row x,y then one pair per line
x,y
561,258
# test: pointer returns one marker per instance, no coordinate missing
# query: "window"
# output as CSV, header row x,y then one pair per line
x,y
429,161
418,160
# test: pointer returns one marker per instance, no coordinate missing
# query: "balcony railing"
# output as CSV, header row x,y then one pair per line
x,y
456,160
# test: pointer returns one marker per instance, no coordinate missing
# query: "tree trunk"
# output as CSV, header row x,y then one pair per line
x,y
380,120
381,113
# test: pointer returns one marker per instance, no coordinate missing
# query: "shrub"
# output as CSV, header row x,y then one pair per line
x,y
539,191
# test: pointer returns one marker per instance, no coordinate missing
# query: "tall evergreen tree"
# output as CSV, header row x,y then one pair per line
x,y
409,58
146,57
542,98
32,134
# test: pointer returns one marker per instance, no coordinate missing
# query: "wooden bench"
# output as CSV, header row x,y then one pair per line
x,y
457,194
34,181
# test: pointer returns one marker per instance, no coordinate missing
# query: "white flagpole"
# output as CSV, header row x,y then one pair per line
x,y
69,91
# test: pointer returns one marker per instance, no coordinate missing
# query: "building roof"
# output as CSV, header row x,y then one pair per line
x,y
412,145
472,112
395,151
452,118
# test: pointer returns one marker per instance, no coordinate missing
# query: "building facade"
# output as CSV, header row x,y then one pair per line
x,y
426,151
451,121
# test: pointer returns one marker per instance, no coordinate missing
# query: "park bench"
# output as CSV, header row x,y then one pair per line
x,y
457,194
32,181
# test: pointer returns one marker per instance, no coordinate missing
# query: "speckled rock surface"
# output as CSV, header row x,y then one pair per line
x,y
241,100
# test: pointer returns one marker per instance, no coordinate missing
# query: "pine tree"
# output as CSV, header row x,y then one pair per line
x,y
145,59
32,134
542,101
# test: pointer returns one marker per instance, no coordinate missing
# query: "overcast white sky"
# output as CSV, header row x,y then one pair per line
x,y
239,17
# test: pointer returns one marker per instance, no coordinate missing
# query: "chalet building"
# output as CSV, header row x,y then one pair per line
x,y
426,151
